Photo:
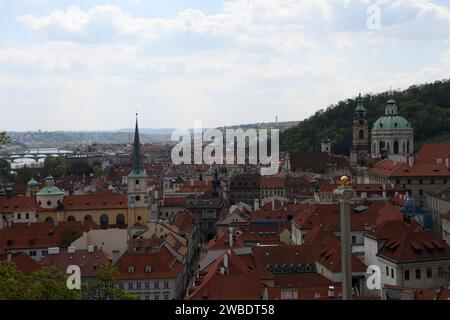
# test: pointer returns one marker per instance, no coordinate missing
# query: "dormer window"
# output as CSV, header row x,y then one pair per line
x,y
130,269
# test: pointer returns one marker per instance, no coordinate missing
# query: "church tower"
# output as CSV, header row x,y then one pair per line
x,y
326,144
360,146
138,199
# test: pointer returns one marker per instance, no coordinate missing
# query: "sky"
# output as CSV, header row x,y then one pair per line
x,y
91,65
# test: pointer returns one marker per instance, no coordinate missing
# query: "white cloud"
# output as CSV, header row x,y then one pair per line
x,y
249,62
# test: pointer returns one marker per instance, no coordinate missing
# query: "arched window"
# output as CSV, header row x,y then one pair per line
x,y
120,219
361,134
71,218
104,220
88,218
49,220
395,147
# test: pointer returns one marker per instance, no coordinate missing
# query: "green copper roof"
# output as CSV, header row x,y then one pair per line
x,y
391,123
136,164
360,111
32,183
54,191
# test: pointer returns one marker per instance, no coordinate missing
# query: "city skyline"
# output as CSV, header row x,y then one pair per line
x,y
89,66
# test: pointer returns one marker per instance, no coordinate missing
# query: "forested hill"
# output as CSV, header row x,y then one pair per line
x,y
426,106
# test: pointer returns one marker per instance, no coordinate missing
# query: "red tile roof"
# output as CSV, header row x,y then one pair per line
x,y
89,262
415,246
39,234
429,153
24,263
390,168
162,263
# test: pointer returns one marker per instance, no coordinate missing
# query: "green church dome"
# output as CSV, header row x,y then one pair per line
x,y
391,123
32,183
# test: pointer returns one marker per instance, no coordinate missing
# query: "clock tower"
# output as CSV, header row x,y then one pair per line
x,y
138,199
360,146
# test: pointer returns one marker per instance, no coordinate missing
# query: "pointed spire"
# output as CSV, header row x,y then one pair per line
x,y
136,160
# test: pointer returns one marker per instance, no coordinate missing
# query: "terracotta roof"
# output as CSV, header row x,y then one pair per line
x,y
174,202
39,234
89,262
272,182
315,159
96,202
390,168
415,246
429,153
240,281
301,280
392,228
24,263
163,265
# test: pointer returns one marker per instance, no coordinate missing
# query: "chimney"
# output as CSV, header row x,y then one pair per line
x,y
256,206
331,292
115,257
273,205
225,260
384,191
9,257
230,235
411,161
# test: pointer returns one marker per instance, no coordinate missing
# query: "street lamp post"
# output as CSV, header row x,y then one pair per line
x,y
344,193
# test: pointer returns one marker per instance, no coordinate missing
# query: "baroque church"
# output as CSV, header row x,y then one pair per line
x,y
391,135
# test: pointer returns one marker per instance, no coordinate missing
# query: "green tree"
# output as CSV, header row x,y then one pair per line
x,y
5,170
13,283
4,139
102,287
68,236
50,284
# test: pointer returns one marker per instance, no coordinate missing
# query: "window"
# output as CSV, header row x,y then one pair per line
x,y
392,273
147,285
44,252
429,273
138,285
147,297
166,285
432,181
130,285
27,216
49,203
353,239
420,181
421,192
406,274
156,297
387,271
156,285
120,285
166,297
137,181
417,273
32,253
19,216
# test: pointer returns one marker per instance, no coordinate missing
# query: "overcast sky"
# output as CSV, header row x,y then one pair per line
x,y
90,65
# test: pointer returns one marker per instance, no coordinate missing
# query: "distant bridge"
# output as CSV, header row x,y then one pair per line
x,y
34,154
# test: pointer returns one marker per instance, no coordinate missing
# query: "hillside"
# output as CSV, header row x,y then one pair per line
x,y
427,106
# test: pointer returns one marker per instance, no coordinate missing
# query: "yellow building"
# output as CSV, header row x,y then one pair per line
x,y
51,205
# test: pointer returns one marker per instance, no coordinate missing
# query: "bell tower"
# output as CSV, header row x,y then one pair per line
x,y
138,199
360,146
